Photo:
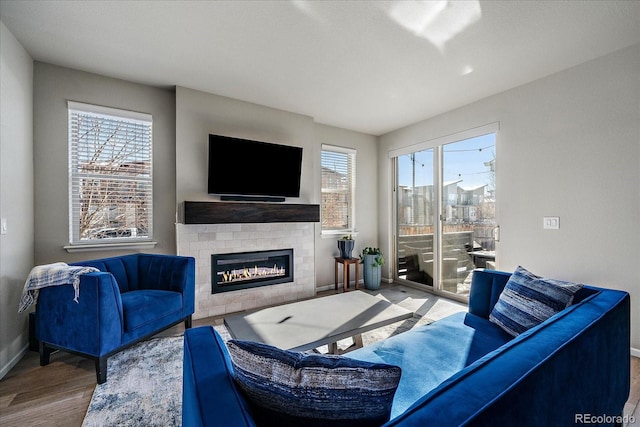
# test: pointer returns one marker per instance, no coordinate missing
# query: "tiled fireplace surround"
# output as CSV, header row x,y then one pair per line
x,y
202,240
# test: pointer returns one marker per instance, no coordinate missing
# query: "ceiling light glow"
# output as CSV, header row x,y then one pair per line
x,y
436,21
467,69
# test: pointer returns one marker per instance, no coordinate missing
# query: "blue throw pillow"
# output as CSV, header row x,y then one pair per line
x,y
528,300
285,388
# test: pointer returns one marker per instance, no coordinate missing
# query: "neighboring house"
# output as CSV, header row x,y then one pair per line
x,y
462,205
111,208
332,201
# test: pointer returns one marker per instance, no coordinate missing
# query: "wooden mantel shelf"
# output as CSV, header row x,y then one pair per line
x,y
248,212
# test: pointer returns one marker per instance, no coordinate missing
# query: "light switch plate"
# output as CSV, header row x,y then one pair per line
x,y
3,225
551,222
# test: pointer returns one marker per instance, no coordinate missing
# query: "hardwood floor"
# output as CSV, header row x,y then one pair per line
x,y
632,407
59,394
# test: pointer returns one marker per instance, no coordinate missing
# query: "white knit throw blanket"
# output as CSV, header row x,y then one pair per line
x,y
55,274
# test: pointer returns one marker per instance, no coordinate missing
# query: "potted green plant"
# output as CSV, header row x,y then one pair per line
x,y
373,261
346,245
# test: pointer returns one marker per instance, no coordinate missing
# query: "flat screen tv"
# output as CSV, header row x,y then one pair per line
x,y
242,169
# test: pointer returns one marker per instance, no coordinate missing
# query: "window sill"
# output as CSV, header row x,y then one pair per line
x,y
337,234
109,246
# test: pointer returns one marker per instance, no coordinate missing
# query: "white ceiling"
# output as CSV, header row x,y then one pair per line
x,y
370,66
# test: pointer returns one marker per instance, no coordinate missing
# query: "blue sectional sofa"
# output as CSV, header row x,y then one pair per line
x,y
131,298
464,369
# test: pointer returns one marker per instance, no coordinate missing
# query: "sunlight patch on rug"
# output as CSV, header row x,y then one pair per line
x,y
380,334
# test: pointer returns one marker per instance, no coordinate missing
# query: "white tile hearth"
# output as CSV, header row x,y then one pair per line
x,y
201,241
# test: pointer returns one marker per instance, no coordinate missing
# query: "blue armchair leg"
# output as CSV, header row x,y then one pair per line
x,y
101,370
187,322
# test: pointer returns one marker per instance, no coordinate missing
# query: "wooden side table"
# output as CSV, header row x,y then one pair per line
x,y
346,262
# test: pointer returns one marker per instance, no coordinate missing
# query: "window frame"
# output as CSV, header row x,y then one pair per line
x,y
351,191
137,119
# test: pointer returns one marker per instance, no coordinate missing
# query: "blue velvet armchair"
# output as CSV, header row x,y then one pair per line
x,y
131,298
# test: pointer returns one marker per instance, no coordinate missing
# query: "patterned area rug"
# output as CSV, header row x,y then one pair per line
x,y
143,388
144,382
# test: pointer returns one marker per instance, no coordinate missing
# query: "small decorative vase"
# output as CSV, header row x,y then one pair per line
x,y
346,248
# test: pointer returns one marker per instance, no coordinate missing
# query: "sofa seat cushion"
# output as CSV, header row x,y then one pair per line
x,y
141,308
432,353
286,388
528,300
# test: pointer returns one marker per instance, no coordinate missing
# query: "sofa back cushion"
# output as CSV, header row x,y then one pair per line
x,y
486,287
165,272
123,268
286,388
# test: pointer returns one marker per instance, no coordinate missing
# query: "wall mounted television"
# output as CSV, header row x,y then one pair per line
x,y
242,169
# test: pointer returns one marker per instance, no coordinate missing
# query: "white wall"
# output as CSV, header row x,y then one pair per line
x,y
53,87
366,199
568,146
16,193
199,113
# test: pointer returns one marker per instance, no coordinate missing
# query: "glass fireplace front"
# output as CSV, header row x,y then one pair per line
x,y
242,270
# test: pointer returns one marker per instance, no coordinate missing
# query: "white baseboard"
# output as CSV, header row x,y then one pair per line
x,y
324,288
635,352
360,283
14,361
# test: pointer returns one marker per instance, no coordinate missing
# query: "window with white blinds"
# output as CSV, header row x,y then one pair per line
x,y
338,189
110,175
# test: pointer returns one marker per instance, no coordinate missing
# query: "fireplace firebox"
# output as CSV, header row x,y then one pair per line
x,y
243,270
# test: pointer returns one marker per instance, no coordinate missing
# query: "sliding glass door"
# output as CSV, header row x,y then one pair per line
x,y
445,214
417,209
